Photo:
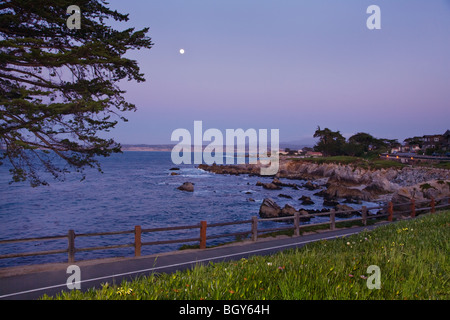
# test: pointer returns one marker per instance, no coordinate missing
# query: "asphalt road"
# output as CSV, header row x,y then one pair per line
x,y
32,282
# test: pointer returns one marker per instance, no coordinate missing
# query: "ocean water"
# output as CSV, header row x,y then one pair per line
x,y
136,188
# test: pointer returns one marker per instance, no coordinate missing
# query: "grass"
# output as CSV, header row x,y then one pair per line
x,y
440,165
411,254
426,186
384,164
335,159
372,164
443,165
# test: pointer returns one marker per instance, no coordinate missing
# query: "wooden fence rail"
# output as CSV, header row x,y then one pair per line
x,y
254,232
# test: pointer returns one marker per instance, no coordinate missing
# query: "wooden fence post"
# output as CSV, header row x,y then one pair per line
x,y
364,215
332,219
433,205
413,208
390,211
296,224
254,228
71,247
137,241
202,234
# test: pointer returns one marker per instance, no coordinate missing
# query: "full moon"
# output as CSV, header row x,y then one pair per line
x,y
181,51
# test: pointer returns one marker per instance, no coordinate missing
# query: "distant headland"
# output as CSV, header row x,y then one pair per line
x,y
169,147
147,147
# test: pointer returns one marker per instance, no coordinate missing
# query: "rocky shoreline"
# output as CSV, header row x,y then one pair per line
x,y
352,183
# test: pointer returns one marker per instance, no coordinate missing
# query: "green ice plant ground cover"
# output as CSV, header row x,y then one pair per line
x,y
412,256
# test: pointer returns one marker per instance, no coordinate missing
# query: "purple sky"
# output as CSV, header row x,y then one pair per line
x,y
290,65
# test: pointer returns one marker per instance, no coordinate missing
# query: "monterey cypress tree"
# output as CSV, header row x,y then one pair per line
x,y
59,86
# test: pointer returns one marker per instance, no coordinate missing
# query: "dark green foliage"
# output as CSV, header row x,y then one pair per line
x,y
59,87
361,144
330,142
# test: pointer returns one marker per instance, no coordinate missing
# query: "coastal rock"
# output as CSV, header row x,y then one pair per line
x,y
269,209
411,176
344,176
311,186
353,201
313,211
187,186
174,174
355,183
271,186
348,175
330,203
339,191
231,169
380,183
274,185
304,216
321,193
281,195
306,200
287,211
277,182
420,192
342,207
435,189
402,198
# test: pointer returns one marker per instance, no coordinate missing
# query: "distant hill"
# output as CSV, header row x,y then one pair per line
x,y
169,147
147,147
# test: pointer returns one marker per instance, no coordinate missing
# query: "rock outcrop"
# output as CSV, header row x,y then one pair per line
x,y
311,186
270,209
276,184
306,200
187,186
271,186
335,191
343,181
287,211
420,192
348,211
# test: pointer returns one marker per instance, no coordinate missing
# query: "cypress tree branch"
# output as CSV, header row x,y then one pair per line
x,y
59,87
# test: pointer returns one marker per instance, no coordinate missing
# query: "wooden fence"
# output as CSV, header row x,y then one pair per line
x,y
413,208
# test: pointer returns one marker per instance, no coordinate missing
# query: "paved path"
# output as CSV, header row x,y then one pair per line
x,y
34,281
